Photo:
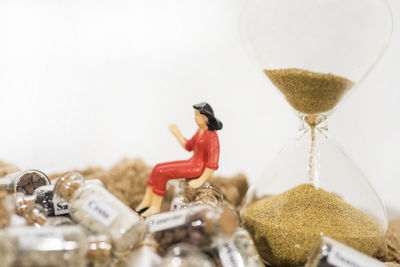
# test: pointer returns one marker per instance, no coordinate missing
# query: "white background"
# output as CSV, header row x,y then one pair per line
x,y
87,82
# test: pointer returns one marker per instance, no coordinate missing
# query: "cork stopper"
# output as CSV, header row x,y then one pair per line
x,y
148,242
228,220
36,215
67,185
23,203
99,249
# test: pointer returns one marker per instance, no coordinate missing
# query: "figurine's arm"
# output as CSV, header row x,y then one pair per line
x,y
212,162
174,129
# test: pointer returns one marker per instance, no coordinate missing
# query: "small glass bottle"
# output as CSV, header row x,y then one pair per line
x,y
99,211
185,255
25,181
207,195
66,246
145,254
331,253
198,225
42,247
238,250
184,196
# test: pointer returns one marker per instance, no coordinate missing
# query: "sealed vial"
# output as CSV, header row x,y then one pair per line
x,y
238,250
25,181
331,253
145,253
43,247
207,195
99,211
185,255
197,225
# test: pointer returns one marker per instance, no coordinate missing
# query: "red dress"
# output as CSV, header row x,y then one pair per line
x,y
206,155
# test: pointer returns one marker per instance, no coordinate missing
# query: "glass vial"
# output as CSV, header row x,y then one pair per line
x,y
334,254
145,254
43,247
185,255
238,251
197,225
99,211
25,181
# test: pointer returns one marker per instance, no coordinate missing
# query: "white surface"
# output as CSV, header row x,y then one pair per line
x,y
87,82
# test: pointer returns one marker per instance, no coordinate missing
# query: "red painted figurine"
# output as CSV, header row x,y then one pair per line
x,y
199,167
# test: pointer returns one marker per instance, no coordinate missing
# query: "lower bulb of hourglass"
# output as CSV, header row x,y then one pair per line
x,y
290,207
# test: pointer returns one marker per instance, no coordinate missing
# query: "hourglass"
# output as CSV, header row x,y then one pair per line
x,y
314,52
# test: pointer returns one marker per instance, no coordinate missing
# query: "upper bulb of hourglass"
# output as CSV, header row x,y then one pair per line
x,y
314,52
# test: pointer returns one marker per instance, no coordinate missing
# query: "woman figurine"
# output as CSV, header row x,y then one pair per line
x,y
199,167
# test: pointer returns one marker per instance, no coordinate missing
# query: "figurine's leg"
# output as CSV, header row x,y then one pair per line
x,y
147,199
155,206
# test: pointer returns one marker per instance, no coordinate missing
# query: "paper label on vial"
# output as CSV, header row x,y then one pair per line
x,y
100,210
41,241
167,220
346,257
230,255
60,208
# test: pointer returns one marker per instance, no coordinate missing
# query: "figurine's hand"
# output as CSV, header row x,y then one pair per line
x,y
174,129
196,183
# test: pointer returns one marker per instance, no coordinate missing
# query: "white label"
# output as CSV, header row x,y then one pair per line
x,y
60,208
166,220
41,241
345,257
229,255
100,210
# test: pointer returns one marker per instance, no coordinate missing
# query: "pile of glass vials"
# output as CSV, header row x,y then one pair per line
x,y
73,222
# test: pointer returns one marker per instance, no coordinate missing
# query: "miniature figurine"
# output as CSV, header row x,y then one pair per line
x,y
199,167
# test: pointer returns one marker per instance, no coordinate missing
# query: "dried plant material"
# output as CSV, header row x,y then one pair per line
x,y
309,92
390,250
234,189
4,215
7,168
127,180
392,264
287,227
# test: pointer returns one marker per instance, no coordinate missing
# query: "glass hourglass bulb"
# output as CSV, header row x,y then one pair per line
x,y
314,52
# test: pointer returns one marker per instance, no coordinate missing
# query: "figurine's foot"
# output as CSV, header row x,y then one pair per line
x,y
142,210
150,211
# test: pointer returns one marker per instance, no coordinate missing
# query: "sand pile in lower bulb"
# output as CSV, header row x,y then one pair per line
x,y
287,227
309,92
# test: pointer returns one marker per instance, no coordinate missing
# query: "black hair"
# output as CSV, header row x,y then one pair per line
x,y
213,123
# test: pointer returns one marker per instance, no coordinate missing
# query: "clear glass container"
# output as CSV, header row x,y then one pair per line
x,y
196,225
185,196
331,253
25,181
50,246
239,251
314,52
99,211
185,255
145,253
43,247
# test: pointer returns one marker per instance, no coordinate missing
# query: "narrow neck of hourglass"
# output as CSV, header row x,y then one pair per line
x,y
316,125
